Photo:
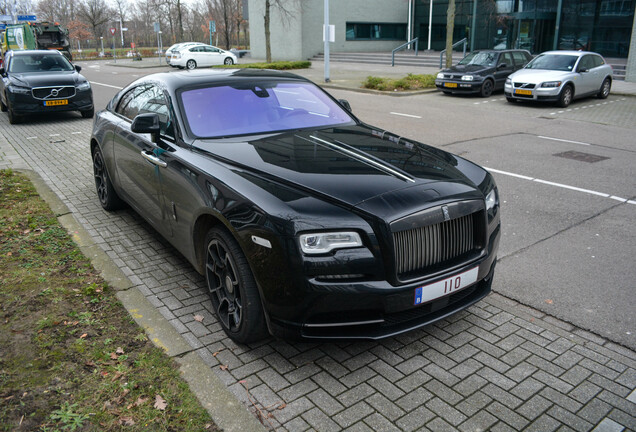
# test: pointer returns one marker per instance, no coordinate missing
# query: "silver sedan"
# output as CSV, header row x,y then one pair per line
x,y
561,77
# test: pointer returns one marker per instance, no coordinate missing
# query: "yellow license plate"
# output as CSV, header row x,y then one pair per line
x,y
452,85
523,92
56,102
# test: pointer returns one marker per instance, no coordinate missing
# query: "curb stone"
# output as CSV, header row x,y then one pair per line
x,y
224,409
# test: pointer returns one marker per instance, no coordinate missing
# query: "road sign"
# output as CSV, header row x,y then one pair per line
x,y
212,26
6,18
3,26
124,29
26,18
157,28
113,30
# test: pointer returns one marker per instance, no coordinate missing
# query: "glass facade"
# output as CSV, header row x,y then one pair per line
x,y
375,31
603,26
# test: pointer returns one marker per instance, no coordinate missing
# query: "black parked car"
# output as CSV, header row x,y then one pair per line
x,y
482,71
304,221
42,81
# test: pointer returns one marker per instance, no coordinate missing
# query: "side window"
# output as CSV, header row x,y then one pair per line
x,y
131,103
195,49
598,61
155,102
520,59
507,59
586,62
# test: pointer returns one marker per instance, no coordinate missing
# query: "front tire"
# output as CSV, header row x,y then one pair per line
x,y
88,113
566,96
486,88
511,99
232,288
108,198
3,107
13,117
191,64
228,61
604,91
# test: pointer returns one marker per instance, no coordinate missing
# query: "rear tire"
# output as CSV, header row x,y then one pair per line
x,y
228,61
232,288
191,64
108,198
604,91
566,96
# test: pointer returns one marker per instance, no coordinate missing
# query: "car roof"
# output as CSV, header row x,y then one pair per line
x,y
27,52
570,52
178,79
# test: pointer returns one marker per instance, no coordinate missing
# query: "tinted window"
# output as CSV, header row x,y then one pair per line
x,y
586,62
147,99
506,58
259,108
479,58
597,61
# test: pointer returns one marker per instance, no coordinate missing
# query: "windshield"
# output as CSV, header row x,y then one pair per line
x,y
39,63
479,58
558,62
254,108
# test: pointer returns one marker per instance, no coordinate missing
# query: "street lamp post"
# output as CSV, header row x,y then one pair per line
x,y
101,38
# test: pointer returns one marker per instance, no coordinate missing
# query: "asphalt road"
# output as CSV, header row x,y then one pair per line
x,y
567,184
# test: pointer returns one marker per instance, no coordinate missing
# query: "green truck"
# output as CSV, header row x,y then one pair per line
x,y
43,35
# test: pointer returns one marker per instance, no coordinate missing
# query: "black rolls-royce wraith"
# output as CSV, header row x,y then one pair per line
x,y
305,221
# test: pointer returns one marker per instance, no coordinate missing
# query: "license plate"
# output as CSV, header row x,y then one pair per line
x,y
523,92
56,102
446,286
451,85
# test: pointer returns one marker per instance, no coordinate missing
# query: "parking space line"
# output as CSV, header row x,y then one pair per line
x,y
563,186
106,85
54,135
405,115
30,138
75,133
563,140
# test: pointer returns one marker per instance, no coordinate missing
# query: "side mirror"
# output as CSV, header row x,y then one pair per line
x,y
345,104
147,123
583,70
502,65
78,68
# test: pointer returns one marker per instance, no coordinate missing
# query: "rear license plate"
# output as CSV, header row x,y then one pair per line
x,y
446,286
56,102
451,85
523,92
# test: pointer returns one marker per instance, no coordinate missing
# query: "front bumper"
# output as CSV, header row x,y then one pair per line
x,y
458,86
26,104
377,309
548,94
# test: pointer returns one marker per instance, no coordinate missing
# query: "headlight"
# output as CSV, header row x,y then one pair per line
x,y
551,84
491,199
320,243
440,75
467,78
19,90
84,86
508,81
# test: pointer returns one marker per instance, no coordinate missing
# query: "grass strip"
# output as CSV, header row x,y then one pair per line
x,y
409,82
279,65
71,357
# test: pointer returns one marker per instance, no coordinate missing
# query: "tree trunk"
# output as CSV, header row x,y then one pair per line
x,y
268,48
450,27
179,20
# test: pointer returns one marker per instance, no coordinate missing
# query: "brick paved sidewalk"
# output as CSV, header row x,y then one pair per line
x,y
497,366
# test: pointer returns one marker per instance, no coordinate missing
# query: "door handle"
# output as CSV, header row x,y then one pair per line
x,y
154,159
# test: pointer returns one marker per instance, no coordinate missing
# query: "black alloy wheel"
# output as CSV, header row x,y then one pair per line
x,y
108,198
228,61
604,91
486,88
232,288
566,96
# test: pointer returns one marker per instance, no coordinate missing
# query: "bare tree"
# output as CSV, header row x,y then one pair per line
x,y
95,14
63,11
450,27
285,9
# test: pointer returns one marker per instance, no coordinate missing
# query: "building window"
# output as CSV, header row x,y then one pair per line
x,y
376,31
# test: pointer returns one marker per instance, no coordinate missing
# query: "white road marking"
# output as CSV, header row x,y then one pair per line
x,y
106,85
52,135
563,186
563,140
75,133
405,115
30,138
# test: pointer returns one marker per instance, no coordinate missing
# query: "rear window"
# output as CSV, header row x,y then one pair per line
x,y
254,108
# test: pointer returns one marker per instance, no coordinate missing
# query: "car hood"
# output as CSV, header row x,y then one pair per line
x,y
473,69
43,79
351,164
537,76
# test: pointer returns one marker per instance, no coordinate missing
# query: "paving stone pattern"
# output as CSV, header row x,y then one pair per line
x,y
497,366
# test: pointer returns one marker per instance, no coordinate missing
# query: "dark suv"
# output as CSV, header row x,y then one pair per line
x,y
482,71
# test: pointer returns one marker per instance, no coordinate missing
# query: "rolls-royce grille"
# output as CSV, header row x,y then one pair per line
x,y
50,93
426,247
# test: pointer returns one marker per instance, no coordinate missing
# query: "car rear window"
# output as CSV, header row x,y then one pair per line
x,y
253,108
